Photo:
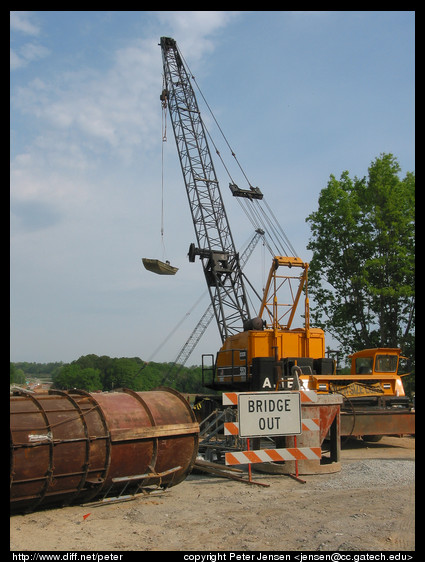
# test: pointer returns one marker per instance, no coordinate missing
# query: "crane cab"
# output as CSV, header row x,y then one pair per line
x,y
256,359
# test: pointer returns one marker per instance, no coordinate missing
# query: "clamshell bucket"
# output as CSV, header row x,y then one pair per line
x,y
159,267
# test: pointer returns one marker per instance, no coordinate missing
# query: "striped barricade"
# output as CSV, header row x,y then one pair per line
x,y
273,455
230,398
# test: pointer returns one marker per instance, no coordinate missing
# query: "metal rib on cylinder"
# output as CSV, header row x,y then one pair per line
x,y
76,446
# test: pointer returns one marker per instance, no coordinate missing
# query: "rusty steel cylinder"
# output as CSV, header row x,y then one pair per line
x,y
76,446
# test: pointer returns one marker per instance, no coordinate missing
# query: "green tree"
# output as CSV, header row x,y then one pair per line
x,y
91,372
17,376
73,376
123,374
361,276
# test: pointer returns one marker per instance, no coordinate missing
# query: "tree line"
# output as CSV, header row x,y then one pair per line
x,y
93,372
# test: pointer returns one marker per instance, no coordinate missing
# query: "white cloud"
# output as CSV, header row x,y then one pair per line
x,y
82,120
114,108
16,61
192,30
21,24
114,111
20,21
33,180
26,54
32,51
196,24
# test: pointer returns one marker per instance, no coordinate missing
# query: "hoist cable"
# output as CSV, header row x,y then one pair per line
x,y
164,139
258,217
278,231
214,118
218,154
294,252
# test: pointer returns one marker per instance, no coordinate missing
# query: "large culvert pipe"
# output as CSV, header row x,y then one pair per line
x,y
76,446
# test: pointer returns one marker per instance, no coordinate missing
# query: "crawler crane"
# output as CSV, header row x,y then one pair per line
x,y
264,351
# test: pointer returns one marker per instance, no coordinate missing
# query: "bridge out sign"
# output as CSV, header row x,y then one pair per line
x,y
269,413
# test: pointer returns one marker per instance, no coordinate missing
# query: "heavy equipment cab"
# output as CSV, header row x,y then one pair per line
x,y
374,372
370,361
269,348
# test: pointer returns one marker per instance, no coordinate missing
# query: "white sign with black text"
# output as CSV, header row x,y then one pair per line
x,y
269,413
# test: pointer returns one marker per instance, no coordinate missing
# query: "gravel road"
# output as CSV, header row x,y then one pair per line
x,y
368,505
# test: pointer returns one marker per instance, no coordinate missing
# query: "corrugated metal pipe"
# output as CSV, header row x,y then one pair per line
x,y
77,446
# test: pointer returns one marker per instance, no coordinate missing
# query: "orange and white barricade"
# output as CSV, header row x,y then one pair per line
x,y
303,452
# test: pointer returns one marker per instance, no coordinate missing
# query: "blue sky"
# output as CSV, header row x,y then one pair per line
x,y
299,96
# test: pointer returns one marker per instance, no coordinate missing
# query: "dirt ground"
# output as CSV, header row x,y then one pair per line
x,y
368,505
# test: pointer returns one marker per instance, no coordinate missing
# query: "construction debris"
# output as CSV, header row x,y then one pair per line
x,y
224,472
